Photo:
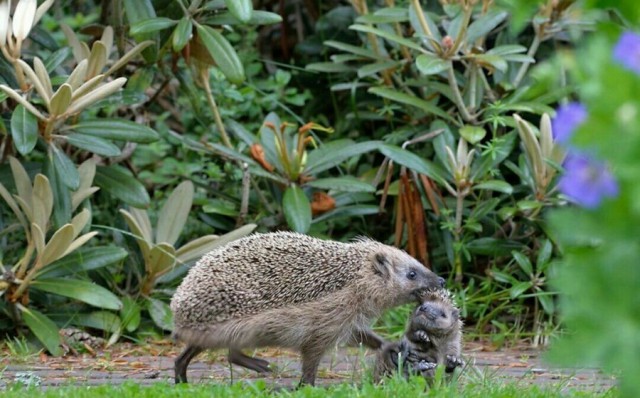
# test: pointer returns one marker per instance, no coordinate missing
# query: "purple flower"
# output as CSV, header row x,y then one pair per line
x,y
627,51
568,118
587,181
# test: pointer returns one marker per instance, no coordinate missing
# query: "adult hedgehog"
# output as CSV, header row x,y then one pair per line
x,y
293,291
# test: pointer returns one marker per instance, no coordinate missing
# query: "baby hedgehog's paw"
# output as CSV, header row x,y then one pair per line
x,y
453,362
421,335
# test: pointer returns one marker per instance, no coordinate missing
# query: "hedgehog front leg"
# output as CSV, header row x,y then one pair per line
x,y
182,362
239,358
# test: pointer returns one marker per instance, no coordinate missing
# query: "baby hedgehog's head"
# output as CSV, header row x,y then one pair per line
x,y
437,314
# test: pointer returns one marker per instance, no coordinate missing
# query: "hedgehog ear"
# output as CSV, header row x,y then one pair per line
x,y
381,265
456,314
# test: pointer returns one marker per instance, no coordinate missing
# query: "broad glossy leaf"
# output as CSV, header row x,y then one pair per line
x,y
376,67
62,198
174,213
150,25
485,24
329,67
82,260
65,168
297,209
357,50
546,299
391,37
518,289
524,262
56,59
102,320
222,53
431,64
495,185
117,129
346,183
182,34
43,328
137,11
413,162
93,144
347,211
404,98
84,291
241,9
493,246
258,17
122,185
41,201
58,244
385,15
161,259
205,244
335,152
24,130
160,313
130,314
472,134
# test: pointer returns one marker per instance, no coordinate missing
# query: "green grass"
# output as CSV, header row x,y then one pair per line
x,y
394,388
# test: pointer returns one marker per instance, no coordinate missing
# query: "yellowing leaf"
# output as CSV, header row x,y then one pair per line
x,y
174,213
161,259
58,245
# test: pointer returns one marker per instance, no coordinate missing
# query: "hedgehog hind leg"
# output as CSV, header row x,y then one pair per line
x,y
237,357
182,362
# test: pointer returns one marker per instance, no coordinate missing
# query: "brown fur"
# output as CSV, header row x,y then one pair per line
x,y
433,337
293,291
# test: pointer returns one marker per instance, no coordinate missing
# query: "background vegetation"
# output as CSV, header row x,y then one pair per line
x,y
135,135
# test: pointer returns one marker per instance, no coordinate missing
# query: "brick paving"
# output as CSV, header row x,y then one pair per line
x,y
340,365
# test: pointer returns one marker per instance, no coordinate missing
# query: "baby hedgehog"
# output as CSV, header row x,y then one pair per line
x,y
293,291
433,337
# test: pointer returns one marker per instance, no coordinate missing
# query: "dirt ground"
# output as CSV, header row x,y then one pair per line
x,y
152,363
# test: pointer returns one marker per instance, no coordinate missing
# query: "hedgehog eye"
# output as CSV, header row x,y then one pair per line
x,y
412,275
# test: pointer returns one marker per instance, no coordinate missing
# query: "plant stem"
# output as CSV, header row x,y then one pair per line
x,y
525,65
423,21
457,96
24,261
204,74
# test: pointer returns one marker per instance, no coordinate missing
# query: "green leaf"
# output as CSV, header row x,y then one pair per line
x,y
83,260
485,24
61,194
414,162
547,303
346,184
102,320
137,11
334,153
24,130
297,210
407,99
174,213
122,185
130,314
431,64
495,185
329,67
117,129
84,291
507,49
385,15
391,37
493,246
241,9
523,262
161,259
544,255
472,134
93,144
257,18
222,53
57,58
43,328
205,244
363,52
518,289
182,34
495,61
376,67
160,313
347,212
65,168
150,25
